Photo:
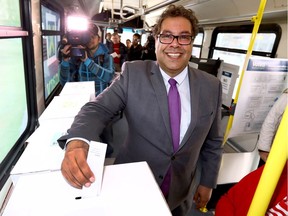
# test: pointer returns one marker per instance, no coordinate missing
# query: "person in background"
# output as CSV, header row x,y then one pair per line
x,y
270,126
172,139
118,51
237,201
108,39
94,64
135,50
148,52
128,43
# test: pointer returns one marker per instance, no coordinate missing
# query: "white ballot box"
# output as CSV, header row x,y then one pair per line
x,y
42,152
78,88
65,106
127,190
37,158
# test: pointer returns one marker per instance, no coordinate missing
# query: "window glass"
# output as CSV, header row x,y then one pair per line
x,y
126,34
10,13
143,39
196,51
50,19
50,63
50,42
13,112
230,43
264,41
197,45
199,38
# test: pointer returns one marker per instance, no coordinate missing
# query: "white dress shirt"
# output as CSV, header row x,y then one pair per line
x,y
184,92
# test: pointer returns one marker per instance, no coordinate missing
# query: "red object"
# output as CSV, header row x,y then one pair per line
x,y
236,202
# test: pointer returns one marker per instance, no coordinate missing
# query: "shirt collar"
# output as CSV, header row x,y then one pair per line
x,y
179,78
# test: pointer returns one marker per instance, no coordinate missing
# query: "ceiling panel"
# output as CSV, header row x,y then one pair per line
x,y
207,11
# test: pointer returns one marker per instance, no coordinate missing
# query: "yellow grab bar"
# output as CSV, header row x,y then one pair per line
x,y
272,171
257,21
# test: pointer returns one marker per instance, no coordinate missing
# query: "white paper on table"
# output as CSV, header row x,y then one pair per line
x,y
76,88
65,106
95,159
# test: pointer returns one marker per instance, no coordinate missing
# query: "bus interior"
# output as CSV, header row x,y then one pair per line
x,y
30,32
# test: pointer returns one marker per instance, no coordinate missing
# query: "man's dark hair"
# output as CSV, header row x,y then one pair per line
x,y
177,11
137,35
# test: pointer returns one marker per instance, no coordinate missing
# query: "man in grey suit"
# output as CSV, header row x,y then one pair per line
x,y
141,93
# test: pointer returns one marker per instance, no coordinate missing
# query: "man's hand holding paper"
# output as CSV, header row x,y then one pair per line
x,y
74,167
86,162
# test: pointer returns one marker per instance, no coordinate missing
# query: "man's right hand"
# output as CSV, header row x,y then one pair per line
x,y
74,165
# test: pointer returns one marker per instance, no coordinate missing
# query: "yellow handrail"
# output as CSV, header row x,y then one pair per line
x,y
257,21
272,170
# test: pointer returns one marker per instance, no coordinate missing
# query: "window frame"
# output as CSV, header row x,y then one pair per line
x,y
60,33
26,34
263,28
201,30
238,29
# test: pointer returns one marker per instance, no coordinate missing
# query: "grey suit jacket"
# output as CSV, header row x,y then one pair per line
x,y
141,93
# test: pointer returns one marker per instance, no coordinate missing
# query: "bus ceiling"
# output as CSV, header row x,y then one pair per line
x,y
144,13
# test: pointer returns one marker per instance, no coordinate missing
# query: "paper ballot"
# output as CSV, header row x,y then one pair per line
x,y
114,54
95,159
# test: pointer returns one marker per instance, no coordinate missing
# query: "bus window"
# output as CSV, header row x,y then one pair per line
x,y
127,33
50,39
17,84
197,45
13,94
231,44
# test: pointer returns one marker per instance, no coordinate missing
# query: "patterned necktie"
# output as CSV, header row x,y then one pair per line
x,y
175,117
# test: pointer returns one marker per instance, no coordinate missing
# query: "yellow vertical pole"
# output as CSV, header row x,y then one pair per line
x,y
272,170
257,21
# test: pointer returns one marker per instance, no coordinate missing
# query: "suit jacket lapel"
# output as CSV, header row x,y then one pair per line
x,y
194,101
161,95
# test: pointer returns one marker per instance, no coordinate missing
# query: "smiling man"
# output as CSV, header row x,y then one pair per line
x,y
173,112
